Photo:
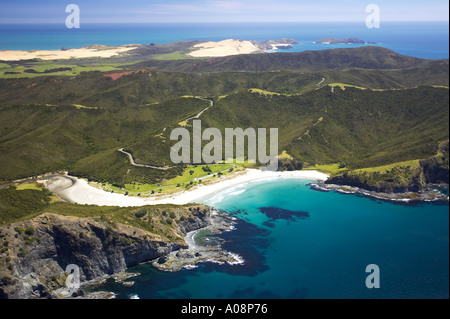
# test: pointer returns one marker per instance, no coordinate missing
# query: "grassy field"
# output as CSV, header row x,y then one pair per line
x,y
193,172
51,68
285,155
398,174
343,86
413,164
263,92
187,179
172,56
28,186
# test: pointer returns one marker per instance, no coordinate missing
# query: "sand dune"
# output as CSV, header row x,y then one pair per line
x,y
86,52
224,48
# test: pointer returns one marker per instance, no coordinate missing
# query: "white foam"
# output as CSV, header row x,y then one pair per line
x,y
238,259
237,192
190,267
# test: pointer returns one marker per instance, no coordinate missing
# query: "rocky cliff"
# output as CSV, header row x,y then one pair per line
x,y
434,170
36,252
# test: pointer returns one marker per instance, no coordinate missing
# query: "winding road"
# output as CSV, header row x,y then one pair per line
x,y
132,162
202,111
165,168
318,84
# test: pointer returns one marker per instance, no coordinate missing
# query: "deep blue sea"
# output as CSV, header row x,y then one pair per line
x,y
420,39
301,243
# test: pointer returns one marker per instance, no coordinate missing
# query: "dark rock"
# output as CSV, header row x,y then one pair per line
x,y
200,220
101,251
78,293
434,170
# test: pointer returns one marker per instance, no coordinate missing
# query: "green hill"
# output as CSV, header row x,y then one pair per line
x,y
366,106
370,57
363,127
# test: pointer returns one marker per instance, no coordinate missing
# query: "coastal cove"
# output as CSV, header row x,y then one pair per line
x,y
274,219
75,190
297,243
94,179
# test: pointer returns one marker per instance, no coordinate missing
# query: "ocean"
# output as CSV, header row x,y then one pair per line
x,y
299,243
429,40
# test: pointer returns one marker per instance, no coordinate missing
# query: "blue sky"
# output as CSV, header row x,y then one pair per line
x,y
148,11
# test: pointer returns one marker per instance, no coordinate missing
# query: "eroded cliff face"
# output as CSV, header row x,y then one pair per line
x,y
39,250
436,169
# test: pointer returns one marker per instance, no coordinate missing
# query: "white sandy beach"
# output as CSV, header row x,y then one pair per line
x,y
81,192
86,52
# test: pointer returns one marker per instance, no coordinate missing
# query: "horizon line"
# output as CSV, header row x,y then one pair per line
x,y
222,22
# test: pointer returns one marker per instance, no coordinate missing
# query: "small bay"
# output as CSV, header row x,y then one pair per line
x,y
300,243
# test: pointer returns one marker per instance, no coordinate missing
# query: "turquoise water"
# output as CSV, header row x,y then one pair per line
x,y
420,39
302,243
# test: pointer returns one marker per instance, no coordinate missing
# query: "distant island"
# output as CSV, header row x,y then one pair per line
x,y
351,40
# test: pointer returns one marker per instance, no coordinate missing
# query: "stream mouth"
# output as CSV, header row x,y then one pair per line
x,y
58,183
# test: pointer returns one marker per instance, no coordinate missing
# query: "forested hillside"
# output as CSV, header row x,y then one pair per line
x,y
365,107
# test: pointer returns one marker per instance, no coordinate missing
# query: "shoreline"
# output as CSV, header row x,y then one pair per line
x,y
209,251
428,196
79,191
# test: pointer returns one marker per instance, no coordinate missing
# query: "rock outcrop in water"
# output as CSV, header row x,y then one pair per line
x,y
39,250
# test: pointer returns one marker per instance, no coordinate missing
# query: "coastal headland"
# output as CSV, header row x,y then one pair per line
x,y
104,116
